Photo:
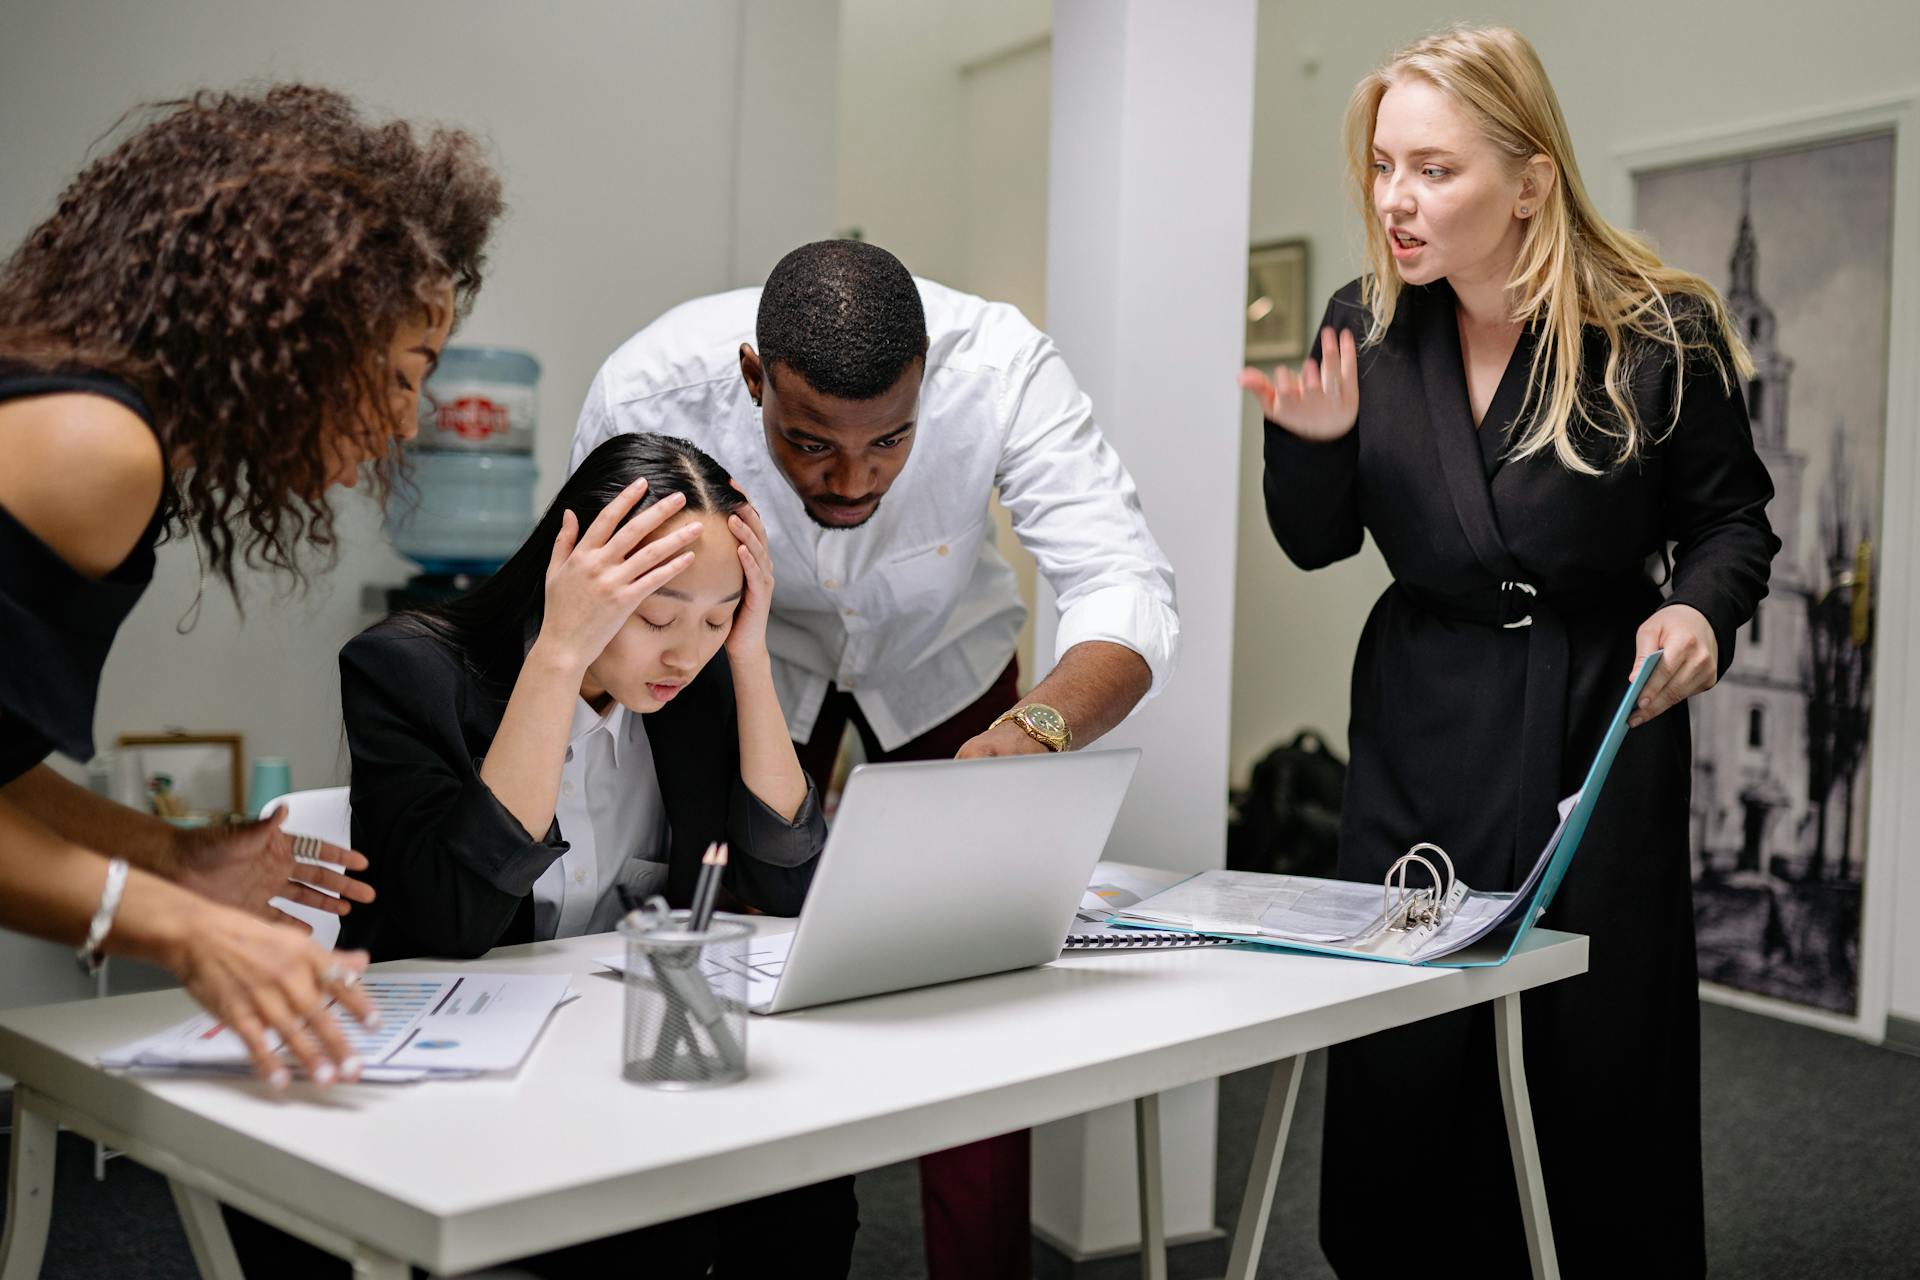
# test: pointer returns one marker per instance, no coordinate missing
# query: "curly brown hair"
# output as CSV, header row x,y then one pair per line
x,y
244,260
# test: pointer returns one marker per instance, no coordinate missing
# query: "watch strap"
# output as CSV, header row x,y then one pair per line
x,y
1013,714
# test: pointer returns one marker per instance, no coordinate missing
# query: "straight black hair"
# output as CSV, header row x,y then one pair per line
x,y
491,626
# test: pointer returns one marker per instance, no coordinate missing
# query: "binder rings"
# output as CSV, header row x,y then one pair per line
x,y
1422,914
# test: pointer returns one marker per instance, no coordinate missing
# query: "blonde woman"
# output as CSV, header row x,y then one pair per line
x,y
1525,408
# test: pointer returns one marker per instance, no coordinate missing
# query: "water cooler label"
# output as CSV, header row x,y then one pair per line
x,y
480,416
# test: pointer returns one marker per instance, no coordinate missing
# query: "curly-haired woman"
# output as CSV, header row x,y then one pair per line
x,y
227,314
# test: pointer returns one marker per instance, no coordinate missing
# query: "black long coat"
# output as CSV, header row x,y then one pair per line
x,y
1465,730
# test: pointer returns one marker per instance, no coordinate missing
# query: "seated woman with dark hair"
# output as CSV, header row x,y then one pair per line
x,y
524,754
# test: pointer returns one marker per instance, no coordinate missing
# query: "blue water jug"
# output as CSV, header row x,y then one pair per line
x,y
469,499
463,512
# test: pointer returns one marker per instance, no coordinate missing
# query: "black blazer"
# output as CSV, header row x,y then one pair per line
x,y
455,871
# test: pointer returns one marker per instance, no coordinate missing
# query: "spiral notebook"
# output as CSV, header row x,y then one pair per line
x,y
1106,938
1116,887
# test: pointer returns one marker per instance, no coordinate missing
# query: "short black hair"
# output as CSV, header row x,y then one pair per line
x,y
844,315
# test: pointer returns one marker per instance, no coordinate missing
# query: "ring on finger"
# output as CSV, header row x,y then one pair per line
x,y
306,849
338,975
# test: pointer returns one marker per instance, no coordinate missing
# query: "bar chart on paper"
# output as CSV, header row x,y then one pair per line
x,y
431,1026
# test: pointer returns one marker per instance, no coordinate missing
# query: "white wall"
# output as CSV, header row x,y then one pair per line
x,y
651,152
924,83
786,180
901,182
1633,73
943,160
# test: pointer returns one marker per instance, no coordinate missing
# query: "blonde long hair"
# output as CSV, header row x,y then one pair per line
x,y
1574,269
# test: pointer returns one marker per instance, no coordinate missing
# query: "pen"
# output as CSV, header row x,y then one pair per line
x,y
707,891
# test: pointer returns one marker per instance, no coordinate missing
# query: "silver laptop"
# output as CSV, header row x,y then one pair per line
x,y
943,870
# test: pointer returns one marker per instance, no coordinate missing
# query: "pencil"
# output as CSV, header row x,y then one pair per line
x,y
710,873
703,888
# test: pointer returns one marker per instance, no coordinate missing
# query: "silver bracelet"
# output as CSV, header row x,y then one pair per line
x,y
89,951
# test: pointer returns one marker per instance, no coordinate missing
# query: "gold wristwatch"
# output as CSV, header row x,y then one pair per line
x,y
1042,723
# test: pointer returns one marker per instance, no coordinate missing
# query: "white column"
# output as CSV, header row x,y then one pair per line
x,y
1146,295
1146,288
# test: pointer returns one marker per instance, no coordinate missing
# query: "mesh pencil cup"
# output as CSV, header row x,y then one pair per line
x,y
686,1022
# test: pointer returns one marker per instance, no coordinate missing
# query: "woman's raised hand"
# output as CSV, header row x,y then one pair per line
x,y
1322,401
748,639
248,864
596,579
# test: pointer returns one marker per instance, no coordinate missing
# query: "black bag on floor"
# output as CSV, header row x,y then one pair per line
x,y
1288,818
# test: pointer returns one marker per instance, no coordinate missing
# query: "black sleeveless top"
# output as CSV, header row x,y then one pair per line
x,y
57,624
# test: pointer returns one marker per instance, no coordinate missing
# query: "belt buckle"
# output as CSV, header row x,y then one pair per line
x,y
1508,590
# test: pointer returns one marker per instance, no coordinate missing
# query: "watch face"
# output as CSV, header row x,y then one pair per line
x,y
1046,720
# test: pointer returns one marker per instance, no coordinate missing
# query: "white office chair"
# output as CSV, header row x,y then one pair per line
x,y
325,815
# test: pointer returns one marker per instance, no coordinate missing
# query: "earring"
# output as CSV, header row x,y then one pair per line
x,y
756,402
1523,211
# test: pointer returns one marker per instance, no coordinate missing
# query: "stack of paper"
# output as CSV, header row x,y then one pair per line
x,y
1343,917
433,1026
1469,928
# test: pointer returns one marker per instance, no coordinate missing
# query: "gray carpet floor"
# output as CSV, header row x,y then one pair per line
x,y
1812,1167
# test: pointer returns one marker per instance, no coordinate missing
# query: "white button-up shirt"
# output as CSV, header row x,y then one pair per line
x,y
611,814
915,613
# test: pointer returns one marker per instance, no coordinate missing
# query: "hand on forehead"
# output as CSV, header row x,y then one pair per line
x,y
715,576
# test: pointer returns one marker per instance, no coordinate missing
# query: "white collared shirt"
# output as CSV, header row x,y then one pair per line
x,y
915,613
611,813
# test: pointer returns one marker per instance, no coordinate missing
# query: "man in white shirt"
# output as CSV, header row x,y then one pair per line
x,y
870,417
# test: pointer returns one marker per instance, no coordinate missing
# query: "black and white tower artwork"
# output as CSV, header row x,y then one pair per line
x,y
1803,261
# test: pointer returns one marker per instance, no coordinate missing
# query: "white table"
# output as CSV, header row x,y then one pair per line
x,y
456,1176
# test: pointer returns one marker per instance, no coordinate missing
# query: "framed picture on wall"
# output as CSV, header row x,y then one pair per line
x,y
1784,745
190,779
1277,325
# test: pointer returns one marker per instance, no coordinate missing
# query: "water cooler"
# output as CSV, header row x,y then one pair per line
x,y
469,500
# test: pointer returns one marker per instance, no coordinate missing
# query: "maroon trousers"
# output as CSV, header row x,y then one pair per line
x,y
975,1198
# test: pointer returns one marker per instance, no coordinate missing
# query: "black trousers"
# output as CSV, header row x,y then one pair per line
x,y
807,1232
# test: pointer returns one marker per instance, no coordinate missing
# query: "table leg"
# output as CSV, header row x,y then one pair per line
x,y
368,1265
29,1190
1153,1212
100,992
206,1232
1520,1139
1263,1175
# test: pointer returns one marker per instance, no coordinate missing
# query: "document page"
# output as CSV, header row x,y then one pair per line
x,y
1115,887
483,1022
433,1025
1255,903
1325,911
764,960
